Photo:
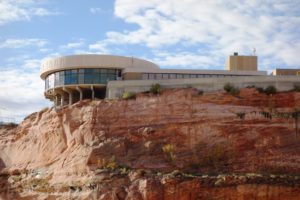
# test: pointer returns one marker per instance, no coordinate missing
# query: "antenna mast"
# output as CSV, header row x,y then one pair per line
x,y
254,51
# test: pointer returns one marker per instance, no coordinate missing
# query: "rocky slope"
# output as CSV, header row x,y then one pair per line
x,y
181,144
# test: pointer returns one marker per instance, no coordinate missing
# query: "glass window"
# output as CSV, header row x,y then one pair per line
x,y
172,76
151,76
103,71
61,75
145,77
179,76
111,71
119,73
67,72
165,76
158,76
97,79
193,76
50,81
67,77
110,77
88,76
186,76
81,77
88,71
56,79
74,77
103,78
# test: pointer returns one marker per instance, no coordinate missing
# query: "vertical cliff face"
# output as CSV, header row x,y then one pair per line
x,y
182,140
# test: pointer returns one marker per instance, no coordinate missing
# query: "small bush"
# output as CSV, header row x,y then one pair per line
x,y
128,95
297,88
241,115
260,89
270,90
110,164
168,149
229,88
266,115
234,91
200,92
155,88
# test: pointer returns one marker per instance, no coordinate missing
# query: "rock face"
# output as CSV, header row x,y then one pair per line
x,y
181,144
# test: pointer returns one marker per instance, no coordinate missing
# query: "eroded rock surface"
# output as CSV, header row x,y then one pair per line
x,y
178,145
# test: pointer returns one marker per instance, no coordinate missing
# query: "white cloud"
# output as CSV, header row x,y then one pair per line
x,y
96,10
21,10
20,43
184,59
21,93
218,27
73,45
100,47
45,50
32,64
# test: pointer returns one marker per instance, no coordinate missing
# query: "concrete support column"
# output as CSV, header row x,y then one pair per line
x,y
70,95
58,94
56,99
80,92
62,100
93,92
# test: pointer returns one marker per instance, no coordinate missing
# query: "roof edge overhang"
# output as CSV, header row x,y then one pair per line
x,y
92,61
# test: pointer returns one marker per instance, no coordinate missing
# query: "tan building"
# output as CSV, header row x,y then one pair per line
x,y
286,72
69,79
241,63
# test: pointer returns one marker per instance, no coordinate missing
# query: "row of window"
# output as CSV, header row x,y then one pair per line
x,y
157,76
81,76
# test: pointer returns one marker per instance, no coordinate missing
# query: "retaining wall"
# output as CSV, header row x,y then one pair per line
x,y
115,89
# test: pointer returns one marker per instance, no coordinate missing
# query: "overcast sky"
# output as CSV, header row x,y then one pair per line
x,y
198,34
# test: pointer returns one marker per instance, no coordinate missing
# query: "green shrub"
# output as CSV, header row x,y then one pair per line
x,y
297,88
155,88
168,149
128,95
241,115
270,90
234,91
266,115
110,164
218,157
260,89
200,92
229,88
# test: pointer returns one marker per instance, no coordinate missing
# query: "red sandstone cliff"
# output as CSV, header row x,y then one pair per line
x,y
177,145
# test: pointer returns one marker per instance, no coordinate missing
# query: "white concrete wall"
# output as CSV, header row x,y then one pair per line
x,y
115,89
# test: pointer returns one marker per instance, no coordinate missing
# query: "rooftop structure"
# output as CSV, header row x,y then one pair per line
x,y
69,79
286,72
241,63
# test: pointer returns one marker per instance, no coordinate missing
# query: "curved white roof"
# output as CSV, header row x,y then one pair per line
x,y
93,61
